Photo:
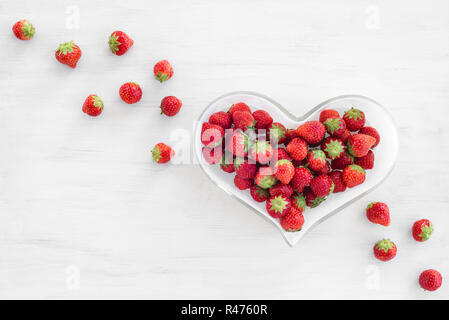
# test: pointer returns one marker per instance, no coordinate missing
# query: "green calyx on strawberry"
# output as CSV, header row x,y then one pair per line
x,y
114,43
384,245
97,101
333,147
426,232
278,206
335,126
66,47
354,114
265,177
277,132
299,201
28,30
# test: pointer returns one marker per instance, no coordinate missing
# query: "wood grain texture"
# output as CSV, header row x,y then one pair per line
x,y
85,214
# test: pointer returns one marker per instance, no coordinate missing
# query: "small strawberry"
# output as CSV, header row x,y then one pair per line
x,y
366,162
281,153
313,132
162,153
170,106
322,186
355,119
353,175
284,171
265,177
281,189
328,114
120,42
239,106
244,169
335,126
297,149
261,151
385,250
130,92
23,30
345,136
278,206
259,194
430,280
316,160
93,105
301,178
422,230
312,200
379,213
333,147
277,132
370,131
263,119
222,119
243,120
292,221
163,70
237,144
211,135
342,162
337,178
243,184
68,53
325,170
292,134
225,165
359,144
212,155
299,202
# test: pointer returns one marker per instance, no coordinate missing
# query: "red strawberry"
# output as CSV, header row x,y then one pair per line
x,y
337,178
281,154
278,206
355,119
277,132
263,119
261,151
259,194
222,119
292,134
120,42
353,175
23,30
243,120
335,126
93,105
211,135
130,92
68,53
243,184
162,153
313,132
359,144
422,230
345,136
292,221
316,160
342,162
366,162
299,202
239,106
385,250
379,213
370,131
265,177
301,178
170,106
212,155
430,280
333,147
225,165
322,185
284,171
238,144
244,169
281,189
312,200
297,148
325,170
328,114
163,70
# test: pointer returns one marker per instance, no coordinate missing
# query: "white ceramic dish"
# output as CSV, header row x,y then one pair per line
x,y
385,153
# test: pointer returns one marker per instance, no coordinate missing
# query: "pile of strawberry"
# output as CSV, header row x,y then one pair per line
x,y
307,163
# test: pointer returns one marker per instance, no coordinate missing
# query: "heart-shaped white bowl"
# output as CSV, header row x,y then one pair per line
x,y
385,153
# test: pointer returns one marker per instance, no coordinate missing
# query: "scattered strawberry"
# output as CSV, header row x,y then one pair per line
x,y
366,162
422,230
301,178
385,250
93,105
170,106
313,132
342,162
262,118
292,221
244,169
345,136
68,53
379,213
430,280
281,154
299,202
120,42
163,70
239,106
243,184
370,131
277,132
353,175
261,151
237,144
243,120
259,194
297,149
316,160
222,119
162,153
284,171
335,126
355,119
278,206
328,114
337,178
227,166
281,189
359,144
23,30
130,92
211,135
322,186
312,200
265,177
333,147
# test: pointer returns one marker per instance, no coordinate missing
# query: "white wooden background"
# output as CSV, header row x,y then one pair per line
x,y
85,214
